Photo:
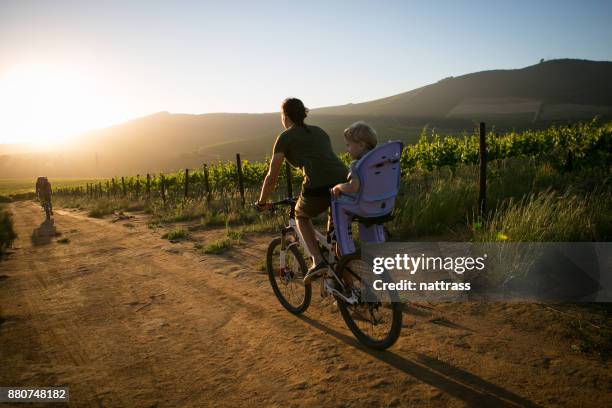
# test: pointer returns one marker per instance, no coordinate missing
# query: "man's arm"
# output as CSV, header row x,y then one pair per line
x,y
272,177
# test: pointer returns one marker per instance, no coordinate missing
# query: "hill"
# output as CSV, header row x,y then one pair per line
x,y
556,90
549,85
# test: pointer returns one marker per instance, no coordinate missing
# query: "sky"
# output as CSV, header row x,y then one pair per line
x,y
71,66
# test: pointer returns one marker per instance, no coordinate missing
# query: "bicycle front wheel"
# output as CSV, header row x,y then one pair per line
x,y
287,280
376,322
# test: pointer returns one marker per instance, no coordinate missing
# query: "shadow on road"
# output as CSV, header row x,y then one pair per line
x,y
452,380
44,233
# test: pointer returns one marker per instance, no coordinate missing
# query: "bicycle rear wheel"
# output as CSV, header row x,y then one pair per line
x,y
288,282
377,324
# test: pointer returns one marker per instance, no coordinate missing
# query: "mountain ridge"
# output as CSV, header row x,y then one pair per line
x,y
561,90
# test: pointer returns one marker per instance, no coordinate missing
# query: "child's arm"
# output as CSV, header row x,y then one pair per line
x,y
349,187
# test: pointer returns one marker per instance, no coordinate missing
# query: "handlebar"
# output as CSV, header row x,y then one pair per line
x,y
284,202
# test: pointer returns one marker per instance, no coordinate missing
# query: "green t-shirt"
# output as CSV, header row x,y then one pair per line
x,y
312,153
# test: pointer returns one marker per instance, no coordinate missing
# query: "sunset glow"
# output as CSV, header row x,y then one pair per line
x,y
67,67
44,104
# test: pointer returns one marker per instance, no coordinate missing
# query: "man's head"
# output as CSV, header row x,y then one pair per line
x,y
293,112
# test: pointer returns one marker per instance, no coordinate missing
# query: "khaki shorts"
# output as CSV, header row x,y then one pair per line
x,y
310,206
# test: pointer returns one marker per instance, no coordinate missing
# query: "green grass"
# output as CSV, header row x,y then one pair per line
x,y
530,200
235,235
101,206
432,204
153,224
262,266
176,234
546,217
231,239
218,246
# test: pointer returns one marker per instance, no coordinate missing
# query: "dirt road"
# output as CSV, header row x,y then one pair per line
x,y
125,318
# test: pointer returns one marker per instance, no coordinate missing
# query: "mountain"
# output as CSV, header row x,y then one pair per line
x,y
557,90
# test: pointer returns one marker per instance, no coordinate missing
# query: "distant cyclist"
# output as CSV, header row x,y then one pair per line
x,y
43,192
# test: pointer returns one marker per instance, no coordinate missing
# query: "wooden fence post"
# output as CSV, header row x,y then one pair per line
x,y
123,186
240,182
482,177
289,181
186,183
108,192
99,189
148,186
206,182
137,186
162,184
569,161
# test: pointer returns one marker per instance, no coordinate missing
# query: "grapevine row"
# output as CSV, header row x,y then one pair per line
x,y
584,144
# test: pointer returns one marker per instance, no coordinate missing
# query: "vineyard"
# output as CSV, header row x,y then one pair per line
x,y
565,148
440,186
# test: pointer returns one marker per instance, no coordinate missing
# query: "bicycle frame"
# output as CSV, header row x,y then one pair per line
x,y
322,239
331,257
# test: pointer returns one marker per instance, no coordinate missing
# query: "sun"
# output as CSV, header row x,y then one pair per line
x,y
45,104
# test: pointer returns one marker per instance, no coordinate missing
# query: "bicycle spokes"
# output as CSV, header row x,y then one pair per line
x,y
373,318
286,269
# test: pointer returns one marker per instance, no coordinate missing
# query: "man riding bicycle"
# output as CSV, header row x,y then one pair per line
x,y
308,148
43,192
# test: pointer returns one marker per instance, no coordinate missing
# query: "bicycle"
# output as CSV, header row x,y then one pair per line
x,y
376,324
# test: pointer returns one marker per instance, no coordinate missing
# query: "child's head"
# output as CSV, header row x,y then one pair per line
x,y
360,138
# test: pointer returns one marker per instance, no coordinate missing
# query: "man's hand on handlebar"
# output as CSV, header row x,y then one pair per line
x,y
261,207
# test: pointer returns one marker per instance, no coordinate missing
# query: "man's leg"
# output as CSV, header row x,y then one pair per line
x,y
48,200
307,230
319,265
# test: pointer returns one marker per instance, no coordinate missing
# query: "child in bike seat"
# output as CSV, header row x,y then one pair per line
x,y
360,138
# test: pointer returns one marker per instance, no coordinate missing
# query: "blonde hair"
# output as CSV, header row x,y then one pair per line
x,y
361,132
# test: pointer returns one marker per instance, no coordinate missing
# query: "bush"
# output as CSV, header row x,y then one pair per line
x,y
7,231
